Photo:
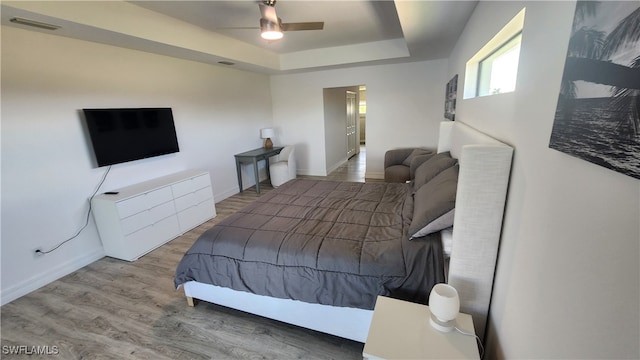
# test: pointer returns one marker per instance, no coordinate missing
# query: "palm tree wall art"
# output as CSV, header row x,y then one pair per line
x,y
450,98
598,114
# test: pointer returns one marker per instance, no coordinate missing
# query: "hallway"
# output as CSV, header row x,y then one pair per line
x,y
352,170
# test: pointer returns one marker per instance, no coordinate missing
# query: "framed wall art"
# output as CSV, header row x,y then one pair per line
x,y
450,98
597,118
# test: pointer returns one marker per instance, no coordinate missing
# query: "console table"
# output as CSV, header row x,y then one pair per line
x,y
253,156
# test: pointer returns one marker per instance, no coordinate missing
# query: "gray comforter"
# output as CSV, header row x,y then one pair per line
x,y
327,242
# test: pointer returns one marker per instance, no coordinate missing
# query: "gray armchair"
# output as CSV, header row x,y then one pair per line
x,y
400,164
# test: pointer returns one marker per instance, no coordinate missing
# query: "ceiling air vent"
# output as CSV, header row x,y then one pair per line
x,y
34,23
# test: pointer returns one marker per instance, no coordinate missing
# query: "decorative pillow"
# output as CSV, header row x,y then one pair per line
x,y
434,204
432,167
414,153
417,161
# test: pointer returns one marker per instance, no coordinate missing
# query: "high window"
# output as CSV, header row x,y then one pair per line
x,y
499,70
494,69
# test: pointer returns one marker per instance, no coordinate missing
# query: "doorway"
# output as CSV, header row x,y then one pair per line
x,y
351,127
362,114
342,132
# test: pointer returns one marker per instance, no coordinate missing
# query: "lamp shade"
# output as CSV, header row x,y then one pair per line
x,y
266,133
444,304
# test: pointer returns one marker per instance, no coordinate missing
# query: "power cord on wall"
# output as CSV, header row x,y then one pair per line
x,y
104,177
474,335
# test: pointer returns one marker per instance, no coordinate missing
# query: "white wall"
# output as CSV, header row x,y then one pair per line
x,y
47,173
405,104
568,275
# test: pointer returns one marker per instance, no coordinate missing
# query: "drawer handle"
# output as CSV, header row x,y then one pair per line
x,y
164,218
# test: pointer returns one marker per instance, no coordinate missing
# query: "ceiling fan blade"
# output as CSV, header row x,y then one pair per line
x,y
239,28
318,25
268,13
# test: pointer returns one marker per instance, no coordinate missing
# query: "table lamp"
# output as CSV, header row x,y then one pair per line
x,y
267,133
444,305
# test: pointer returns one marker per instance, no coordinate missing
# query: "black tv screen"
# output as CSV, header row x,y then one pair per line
x,y
121,135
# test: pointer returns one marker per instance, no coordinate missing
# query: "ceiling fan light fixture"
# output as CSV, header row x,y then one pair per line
x,y
270,30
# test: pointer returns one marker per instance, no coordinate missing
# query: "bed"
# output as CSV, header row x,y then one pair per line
x,y
317,253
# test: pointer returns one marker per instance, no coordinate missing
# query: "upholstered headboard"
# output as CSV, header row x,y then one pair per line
x,y
485,166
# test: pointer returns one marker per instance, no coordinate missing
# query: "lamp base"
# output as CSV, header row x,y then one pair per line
x,y
442,326
268,144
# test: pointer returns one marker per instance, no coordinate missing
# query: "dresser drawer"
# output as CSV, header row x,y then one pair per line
x,y
144,201
182,188
201,181
152,236
159,196
193,199
147,217
188,186
196,215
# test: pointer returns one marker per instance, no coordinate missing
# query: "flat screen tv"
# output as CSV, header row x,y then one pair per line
x,y
121,135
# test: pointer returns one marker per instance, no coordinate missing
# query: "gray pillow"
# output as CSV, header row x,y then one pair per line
x,y
434,204
432,167
417,161
414,153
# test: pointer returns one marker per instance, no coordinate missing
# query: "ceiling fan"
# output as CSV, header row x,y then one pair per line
x,y
272,27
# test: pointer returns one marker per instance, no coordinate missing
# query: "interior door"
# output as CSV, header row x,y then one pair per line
x,y
351,124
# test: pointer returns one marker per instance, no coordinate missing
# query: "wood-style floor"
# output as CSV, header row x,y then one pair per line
x,y
113,309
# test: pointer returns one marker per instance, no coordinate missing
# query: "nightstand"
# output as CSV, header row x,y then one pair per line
x,y
401,330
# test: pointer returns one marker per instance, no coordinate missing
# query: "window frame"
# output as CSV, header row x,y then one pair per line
x,y
512,29
505,47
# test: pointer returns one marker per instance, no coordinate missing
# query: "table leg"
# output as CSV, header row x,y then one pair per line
x,y
257,175
267,167
238,170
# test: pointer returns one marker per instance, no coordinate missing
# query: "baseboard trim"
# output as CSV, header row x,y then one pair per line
x,y
37,281
336,166
374,175
225,194
307,172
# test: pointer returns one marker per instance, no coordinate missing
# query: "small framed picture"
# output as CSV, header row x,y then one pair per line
x,y
450,98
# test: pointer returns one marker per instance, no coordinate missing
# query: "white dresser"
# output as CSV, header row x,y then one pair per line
x,y
143,216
